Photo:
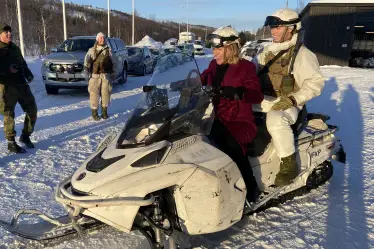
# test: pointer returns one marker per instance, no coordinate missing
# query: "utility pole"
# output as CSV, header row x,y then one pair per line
x,y
133,22
64,19
287,4
187,15
20,28
108,18
206,33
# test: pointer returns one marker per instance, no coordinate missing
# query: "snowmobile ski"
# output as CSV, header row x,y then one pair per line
x,y
49,228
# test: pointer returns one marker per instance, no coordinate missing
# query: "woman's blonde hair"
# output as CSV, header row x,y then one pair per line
x,y
231,54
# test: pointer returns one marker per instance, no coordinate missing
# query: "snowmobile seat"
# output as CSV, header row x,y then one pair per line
x,y
263,138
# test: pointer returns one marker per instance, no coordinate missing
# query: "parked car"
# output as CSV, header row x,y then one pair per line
x,y
187,48
63,69
199,47
140,60
251,48
167,49
155,52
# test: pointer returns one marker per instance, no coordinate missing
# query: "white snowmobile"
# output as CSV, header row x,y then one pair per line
x,y
163,176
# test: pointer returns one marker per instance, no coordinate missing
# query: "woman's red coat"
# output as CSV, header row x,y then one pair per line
x,y
237,115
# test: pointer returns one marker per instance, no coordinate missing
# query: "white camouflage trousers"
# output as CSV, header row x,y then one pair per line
x,y
99,86
279,124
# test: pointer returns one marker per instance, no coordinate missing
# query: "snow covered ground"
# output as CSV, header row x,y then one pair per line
x,y
339,214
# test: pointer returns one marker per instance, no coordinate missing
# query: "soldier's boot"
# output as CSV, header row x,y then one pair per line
x,y
104,112
287,172
25,139
95,115
14,147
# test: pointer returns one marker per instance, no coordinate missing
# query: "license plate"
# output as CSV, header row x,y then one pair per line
x,y
64,76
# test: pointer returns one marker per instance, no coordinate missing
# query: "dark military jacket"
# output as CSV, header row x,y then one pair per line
x,y
10,55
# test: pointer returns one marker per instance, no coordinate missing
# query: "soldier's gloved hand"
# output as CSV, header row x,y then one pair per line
x,y
283,104
30,79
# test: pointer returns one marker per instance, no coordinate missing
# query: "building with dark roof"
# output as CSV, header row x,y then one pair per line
x,y
339,31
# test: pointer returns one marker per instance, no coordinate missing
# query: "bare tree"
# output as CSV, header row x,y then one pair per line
x,y
43,21
9,12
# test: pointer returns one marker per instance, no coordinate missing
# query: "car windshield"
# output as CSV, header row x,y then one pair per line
x,y
134,51
76,45
198,42
173,103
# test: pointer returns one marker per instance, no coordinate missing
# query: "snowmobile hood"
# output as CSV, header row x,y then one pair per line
x,y
66,57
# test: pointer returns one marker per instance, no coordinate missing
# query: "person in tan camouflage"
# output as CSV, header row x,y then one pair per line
x,y
14,78
100,65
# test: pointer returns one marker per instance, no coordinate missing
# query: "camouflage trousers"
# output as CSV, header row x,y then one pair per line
x,y
99,86
9,97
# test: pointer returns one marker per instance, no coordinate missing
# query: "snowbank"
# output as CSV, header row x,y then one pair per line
x,y
148,41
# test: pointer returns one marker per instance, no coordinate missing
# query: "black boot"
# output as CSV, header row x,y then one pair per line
x,y
25,139
104,112
14,147
252,195
95,115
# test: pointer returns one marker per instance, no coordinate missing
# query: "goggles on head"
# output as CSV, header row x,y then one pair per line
x,y
274,21
218,41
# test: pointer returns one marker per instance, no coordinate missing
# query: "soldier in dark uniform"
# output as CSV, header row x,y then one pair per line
x,y
14,78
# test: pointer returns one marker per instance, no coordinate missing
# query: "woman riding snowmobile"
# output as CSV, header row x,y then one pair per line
x,y
236,85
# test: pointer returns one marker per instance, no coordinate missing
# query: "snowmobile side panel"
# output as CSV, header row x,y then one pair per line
x,y
209,203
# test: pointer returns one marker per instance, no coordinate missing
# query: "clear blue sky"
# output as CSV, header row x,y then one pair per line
x,y
241,14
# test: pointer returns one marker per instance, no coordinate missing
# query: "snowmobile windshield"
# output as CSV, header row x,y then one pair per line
x,y
173,104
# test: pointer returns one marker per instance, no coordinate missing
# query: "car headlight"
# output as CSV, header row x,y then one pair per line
x,y
46,64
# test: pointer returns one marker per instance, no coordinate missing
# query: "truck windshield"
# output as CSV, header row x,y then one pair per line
x,y
77,45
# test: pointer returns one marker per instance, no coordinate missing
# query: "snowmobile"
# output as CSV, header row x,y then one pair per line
x,y
163,176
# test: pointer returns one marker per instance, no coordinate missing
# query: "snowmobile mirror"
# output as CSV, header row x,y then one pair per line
x,y
148,88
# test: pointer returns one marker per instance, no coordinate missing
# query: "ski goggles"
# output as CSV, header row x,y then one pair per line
x,y
274,21
218,41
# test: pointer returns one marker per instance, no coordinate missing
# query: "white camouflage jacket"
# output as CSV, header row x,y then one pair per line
x,y
306,72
